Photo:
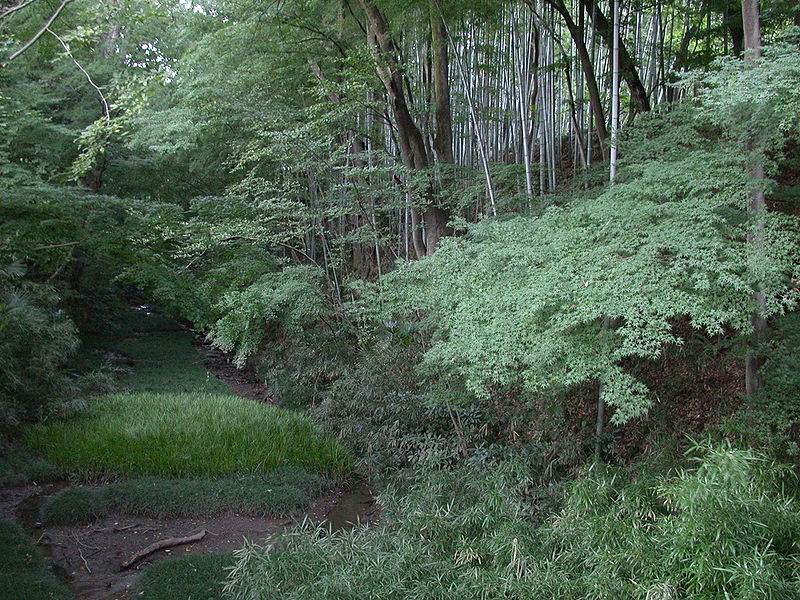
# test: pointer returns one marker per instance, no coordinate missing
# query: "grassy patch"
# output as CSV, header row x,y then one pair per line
x,y
164,359
185,435
23,572
18,466
192,578
270,494
167,361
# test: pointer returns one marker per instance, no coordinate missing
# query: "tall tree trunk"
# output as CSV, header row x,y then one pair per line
x,y
627,67
410,139
733,21
614,95
443,136
576,32
756,207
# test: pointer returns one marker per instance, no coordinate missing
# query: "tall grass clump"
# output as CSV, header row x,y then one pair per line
x,y
183,435
454,535
23,570
273,494
726,528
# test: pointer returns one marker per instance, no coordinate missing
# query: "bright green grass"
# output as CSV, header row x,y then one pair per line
x,y
191,578
185,435
23,572
271,494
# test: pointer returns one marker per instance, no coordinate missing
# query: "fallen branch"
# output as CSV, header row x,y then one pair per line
x,y
85,562
160,545
51,246
116,529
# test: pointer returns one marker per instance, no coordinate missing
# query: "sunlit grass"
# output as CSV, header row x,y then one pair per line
x,y
184,435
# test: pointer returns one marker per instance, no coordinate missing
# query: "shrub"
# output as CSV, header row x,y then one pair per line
x,y
454,536
36,341
722,529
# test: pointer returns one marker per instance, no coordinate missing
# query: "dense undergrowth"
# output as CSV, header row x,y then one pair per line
x,y
725,528
472,381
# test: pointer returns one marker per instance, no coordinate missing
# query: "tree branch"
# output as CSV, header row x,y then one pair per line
x,y
12,9
39,33
106,111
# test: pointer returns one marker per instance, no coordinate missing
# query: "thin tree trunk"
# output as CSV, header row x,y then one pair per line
x,y
576,32
626,64
756,208
614,95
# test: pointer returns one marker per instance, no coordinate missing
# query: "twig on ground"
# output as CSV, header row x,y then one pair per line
x,y
160,545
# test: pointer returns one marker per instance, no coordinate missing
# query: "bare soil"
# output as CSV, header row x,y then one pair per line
x,y
243,382
88,557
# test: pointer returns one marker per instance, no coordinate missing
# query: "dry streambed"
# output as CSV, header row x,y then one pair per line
x,y
90,558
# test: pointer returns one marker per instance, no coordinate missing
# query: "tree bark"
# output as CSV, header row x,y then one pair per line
x,y
443,135
733,21
410,139
576,32
756,207
614,96
627,68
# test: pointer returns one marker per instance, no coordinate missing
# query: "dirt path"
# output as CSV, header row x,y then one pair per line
x,y
88,557
241,382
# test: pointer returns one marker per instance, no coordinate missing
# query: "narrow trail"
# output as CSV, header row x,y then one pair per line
x,y
87,557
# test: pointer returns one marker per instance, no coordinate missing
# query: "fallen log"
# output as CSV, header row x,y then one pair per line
x,y
160,545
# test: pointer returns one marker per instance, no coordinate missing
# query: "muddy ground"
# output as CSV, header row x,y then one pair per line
x,y
88,557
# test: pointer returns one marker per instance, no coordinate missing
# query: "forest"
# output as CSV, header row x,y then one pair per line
x,y
399,299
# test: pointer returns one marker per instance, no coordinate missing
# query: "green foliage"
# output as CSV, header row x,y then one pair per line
x,y
36,341
456,535
723,529
190,578
52,241
22,567
185,434
522,300
275,493
396,423
772,418
292,298
18,466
